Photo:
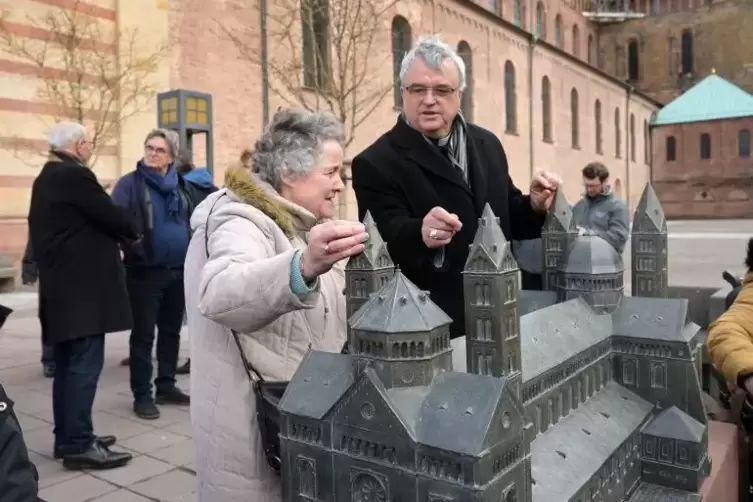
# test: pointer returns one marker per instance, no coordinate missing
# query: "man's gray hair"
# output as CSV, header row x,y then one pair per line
x,y
291,142
171,138
433,52
65,134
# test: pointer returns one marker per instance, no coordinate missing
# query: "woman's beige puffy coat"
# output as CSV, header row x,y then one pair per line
x,y
245,285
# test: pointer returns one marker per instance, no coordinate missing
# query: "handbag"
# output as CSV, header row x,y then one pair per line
x,y
267,394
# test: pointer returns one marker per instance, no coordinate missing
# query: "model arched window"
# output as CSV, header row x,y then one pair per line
x,y
466,104
743,143
631,138
705,146
558,31
597,126
540,21
617,134
633,63
576,41
686,43
575,119
671,148
401,44
511,99
546,109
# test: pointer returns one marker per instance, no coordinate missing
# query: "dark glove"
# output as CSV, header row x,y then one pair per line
x,y
29,273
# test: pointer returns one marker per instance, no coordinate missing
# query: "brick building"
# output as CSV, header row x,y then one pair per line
x,y
533,80
702,152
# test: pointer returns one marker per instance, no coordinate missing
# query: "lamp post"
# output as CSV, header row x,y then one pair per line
x,y
188,113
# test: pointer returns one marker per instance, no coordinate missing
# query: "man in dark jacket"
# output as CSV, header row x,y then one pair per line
x,y
75,229
19,481
29,276
160,202
427,181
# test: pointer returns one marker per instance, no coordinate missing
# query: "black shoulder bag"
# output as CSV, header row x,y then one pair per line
x,y
267,394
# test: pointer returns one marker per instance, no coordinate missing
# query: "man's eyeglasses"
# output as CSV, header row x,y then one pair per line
x,y
441,91
152,149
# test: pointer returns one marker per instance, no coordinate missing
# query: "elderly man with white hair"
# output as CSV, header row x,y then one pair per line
x,y
75,229
427,180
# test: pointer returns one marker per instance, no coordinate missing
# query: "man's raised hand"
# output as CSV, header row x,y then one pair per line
x,y
439,227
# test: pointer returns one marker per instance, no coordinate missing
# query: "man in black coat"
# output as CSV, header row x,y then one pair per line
x,y
426,181
75,229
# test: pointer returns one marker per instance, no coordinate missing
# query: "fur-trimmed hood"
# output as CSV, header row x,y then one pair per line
x,y
290,217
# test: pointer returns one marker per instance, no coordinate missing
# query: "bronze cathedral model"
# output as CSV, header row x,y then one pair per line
x,y
574,394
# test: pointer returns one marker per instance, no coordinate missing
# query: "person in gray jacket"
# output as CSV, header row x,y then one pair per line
x,y
600,212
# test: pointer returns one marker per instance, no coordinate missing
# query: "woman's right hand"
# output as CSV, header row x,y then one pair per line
x,y
330,242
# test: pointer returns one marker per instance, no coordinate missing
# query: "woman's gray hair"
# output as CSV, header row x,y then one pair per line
x,y
291,142
433,52
65,134
171,138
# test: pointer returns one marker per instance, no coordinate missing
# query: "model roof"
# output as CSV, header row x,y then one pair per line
x,y
649,215
491,244
552,335
566,456
592,255
399,307
375,255
646,492
713,98
661,319
673,423
560,216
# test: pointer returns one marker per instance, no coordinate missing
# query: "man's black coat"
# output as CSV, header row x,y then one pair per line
x,y
74,229
402,176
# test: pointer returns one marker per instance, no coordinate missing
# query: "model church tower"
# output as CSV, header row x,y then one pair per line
x,y
491,283
649,247
556,236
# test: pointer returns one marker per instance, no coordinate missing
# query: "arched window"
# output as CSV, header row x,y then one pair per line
x,y
646,143
597,126
576,41
687,52
511,100
315,44
540,21
466,104
674,57
575,119
705,146
401,44
546,109
590,49
671,148
743,143
631,138
633,63
518,14
617,134
558,31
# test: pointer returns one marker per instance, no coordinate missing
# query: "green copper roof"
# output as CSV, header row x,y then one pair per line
x,y
713,98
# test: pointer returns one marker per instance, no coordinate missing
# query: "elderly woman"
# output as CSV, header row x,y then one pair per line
x,y
261,263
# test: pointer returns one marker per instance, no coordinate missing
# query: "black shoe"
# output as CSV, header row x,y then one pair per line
x,y
105,441
185,369
173,396
146,409
97,456
49,370
126,362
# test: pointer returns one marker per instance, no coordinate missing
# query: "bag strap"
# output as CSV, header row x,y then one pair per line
x,y
251,372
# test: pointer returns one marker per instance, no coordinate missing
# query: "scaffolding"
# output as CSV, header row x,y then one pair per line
x,y
611,11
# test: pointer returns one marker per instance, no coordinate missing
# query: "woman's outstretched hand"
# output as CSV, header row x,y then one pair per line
x,y
330,242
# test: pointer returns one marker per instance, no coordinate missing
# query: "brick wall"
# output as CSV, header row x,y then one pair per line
x,y
692,187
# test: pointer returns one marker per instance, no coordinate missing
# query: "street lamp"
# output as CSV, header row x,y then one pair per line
x,y
188,113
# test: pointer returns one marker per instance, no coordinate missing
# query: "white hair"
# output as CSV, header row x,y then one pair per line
x,y
433,52
65,134
171,138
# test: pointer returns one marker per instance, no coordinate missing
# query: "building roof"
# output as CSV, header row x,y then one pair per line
x,y
567,455
673,423
399,307
490,244
592,255
713,98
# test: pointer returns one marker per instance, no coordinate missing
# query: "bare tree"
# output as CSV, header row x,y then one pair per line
x,y
326,55
88,71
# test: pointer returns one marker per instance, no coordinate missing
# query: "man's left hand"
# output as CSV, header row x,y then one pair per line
x,y
543,189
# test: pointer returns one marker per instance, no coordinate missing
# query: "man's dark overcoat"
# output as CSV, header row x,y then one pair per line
x,y
402,176
75,229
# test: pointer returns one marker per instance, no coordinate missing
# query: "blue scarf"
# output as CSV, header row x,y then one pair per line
x,y
166,185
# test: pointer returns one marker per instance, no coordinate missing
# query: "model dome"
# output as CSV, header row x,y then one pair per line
x,y
592,255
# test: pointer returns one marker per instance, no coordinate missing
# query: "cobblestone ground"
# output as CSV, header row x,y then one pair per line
x,y
162,469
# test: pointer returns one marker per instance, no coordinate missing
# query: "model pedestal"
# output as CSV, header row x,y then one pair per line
x,y
722,484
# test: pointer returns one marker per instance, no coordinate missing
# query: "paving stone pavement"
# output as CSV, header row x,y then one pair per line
x,y
162,467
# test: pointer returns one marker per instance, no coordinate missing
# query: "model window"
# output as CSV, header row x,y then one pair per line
x,y
658,376
628,372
